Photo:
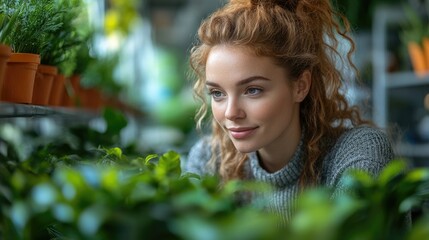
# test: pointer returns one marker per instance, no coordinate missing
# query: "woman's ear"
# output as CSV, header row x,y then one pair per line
x,y
302,86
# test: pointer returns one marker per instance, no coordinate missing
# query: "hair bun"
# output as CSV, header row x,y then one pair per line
x,y
287,4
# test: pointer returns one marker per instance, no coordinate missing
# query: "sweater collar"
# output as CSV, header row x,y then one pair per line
x,y
288,175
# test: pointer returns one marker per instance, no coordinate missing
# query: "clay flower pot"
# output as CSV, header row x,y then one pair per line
x,y
78,93
5,52
93,99
57,90
66,100
43,84
19,77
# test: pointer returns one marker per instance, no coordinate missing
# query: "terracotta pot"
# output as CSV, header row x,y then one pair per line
x,y
78,93
43,84
66,100
93,99
19,77
5,52
57,90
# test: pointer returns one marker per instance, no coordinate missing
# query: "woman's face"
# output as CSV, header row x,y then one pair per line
x,y
252,99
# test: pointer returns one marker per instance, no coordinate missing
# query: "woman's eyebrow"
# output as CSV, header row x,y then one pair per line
x,y
241,82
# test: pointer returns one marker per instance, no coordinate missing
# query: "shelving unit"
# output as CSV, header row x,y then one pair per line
x,y
14,110
29,116
398,96
406,79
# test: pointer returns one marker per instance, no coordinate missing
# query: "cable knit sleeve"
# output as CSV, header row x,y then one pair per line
x,y
363,148
198,157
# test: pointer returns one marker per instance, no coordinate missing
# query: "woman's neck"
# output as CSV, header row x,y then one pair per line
x,y
274,158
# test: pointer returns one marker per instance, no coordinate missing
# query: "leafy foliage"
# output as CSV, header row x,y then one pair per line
x,y
116,197
87,188
63,42
7,22
100,73
119,198
372,208
416,27
35,20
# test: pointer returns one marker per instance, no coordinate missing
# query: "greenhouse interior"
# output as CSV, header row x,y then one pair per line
x,y
102,131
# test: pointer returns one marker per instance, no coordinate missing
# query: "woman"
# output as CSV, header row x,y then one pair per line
x,y
278,114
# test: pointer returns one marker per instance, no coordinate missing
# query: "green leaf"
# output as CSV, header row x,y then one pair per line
x,y
418,174
169,163
392,170
150,157
115,120
117,152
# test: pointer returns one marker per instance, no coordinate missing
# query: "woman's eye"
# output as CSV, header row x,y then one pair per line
x,y
253,91
216,94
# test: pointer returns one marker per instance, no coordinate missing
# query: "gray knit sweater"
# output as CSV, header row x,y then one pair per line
x,y
363,148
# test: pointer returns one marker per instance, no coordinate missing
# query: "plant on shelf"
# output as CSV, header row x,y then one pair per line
x,y
6,24
7,21
63,43
100,82
415,35
35,20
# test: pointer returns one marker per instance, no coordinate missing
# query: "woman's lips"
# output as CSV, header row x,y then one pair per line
x,y
241,133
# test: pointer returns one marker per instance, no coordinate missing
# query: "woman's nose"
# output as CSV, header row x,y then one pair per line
x,y
234,110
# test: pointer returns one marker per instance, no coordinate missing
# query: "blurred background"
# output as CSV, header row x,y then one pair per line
x,y
137,58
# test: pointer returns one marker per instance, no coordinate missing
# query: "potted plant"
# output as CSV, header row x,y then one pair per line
x,y
57,57
6,23
79,57
35,19
99,82
73,93
415,35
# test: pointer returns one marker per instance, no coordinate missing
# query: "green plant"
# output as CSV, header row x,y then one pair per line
x,y
101,73
62,43
371,208
106,193
38,149
35,20
7,22
416,27
119,198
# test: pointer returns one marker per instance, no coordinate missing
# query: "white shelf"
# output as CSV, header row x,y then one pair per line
x,y
14,110
413,150
406,79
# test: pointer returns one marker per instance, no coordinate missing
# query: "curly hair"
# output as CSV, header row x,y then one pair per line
x,y
299,35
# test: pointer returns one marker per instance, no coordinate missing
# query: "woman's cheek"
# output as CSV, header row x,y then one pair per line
x,y
217,112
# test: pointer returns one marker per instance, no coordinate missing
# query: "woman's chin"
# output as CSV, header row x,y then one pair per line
x,y
243,148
